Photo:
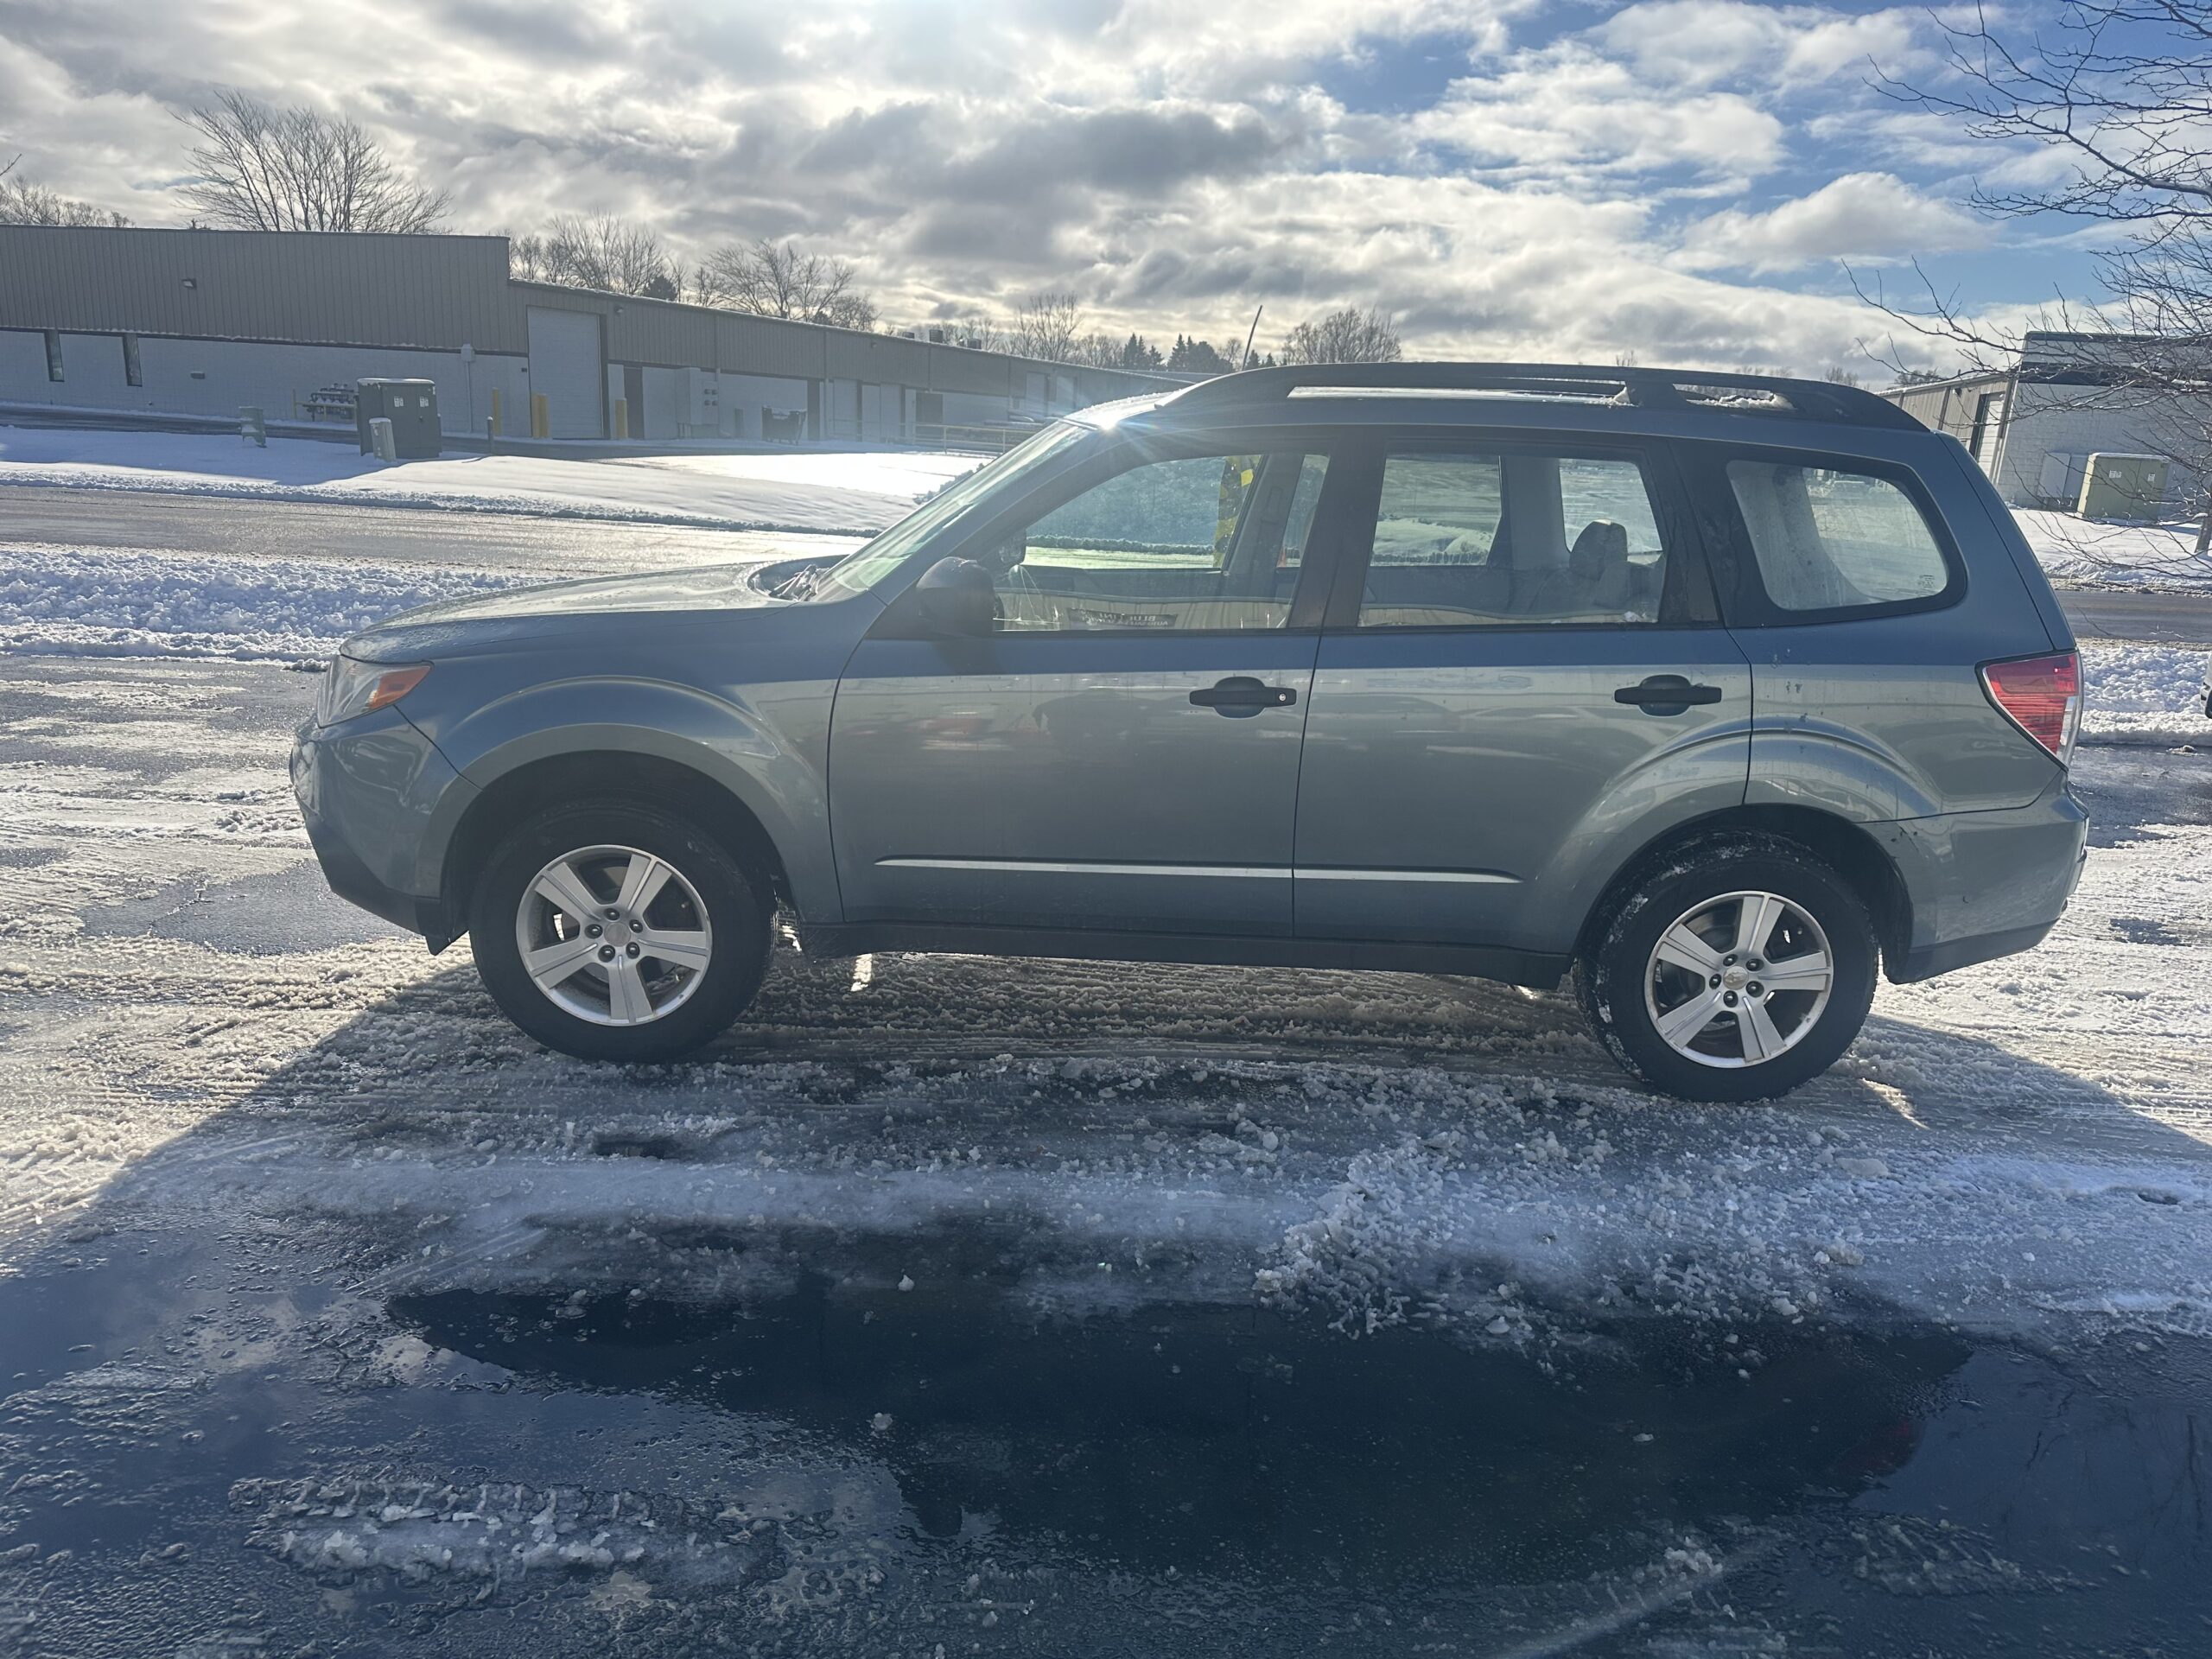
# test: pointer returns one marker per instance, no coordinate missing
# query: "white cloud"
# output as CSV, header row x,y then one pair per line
x,y
1703,42
1870,217
1578,114
1175,161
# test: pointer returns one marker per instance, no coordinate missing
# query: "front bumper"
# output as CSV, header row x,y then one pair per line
x,y
370,792
1983,884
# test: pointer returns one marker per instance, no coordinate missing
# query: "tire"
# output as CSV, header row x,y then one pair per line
x,y
707,905
1650,1007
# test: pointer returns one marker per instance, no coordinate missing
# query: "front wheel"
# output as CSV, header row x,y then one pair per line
x,y
613,931
1741,967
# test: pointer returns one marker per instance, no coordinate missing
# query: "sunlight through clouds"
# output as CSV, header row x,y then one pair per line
x,y
1679,179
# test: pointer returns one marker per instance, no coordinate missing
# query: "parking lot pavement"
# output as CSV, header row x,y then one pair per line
x,y
1054,1307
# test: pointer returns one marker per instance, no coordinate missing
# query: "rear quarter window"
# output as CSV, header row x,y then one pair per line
x,y
1834,540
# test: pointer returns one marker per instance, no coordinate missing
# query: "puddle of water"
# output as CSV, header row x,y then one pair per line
x,y
1230,1440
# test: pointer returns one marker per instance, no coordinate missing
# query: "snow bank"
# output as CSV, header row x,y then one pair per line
x,y
2129,556
128,602
2144,694
850,493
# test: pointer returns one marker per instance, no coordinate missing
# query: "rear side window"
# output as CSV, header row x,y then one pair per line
x,y
1511,539
1826,539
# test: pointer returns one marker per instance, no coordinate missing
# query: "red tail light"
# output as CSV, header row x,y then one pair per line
x,y
2042,695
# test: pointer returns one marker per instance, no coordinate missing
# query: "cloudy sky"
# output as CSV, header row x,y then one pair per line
x,y
1683,180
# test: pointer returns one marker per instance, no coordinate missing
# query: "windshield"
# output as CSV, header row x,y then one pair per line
x,y
864,569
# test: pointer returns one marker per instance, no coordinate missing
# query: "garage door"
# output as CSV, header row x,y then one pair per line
x,y
564,369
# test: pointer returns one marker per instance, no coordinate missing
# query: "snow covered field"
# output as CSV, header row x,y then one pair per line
x,y
2127,555
853,492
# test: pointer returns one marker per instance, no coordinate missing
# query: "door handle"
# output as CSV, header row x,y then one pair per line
x,y
1240,695
1666,693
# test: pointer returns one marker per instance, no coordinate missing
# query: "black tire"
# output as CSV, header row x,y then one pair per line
x,y
1612,973
736,903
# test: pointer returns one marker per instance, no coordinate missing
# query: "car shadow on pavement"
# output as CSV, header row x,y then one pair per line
x,y
955,1316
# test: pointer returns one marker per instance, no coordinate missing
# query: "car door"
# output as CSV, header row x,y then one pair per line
x,y
1522,674
1121,751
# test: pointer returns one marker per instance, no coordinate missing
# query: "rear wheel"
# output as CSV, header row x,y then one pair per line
x,y
1739,968
617,931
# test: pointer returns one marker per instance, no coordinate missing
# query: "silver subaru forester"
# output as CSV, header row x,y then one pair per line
x,y
1718,693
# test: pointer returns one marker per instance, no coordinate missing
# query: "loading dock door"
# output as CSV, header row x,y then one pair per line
x,y
565,369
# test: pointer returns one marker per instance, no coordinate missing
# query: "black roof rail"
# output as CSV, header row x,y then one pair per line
x,y
1817,400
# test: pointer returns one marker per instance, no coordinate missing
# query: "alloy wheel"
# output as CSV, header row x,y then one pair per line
x,y
614,934
1739,979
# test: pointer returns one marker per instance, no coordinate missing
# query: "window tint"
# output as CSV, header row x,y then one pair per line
x,y
1207,542
1828,540
1465,540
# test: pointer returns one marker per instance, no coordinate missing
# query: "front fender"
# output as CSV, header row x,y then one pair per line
x,y
765,745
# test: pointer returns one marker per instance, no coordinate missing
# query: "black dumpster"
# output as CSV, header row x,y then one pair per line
x,y
411,406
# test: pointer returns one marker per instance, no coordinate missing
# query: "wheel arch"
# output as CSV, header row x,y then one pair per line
x,y
515,794
1847,847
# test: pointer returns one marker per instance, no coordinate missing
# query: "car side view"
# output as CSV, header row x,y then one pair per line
x,y
1719,694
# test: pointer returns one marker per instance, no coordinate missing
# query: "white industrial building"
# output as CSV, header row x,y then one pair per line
x,y
2034,424
204,323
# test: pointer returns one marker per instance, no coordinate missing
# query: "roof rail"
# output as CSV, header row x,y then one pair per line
x,y
1817,400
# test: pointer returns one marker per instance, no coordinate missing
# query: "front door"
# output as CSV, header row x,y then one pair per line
x,y
1526,674
1122,753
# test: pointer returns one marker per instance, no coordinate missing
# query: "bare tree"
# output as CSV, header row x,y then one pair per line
x,y
1347,336
1098,351
781,280
608,252
263,169
22,202
1045,327
2118,93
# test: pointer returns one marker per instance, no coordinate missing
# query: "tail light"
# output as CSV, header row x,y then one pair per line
x,y
2042,695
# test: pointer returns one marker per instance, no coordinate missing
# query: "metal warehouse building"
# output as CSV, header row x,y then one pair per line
x,y
202,322
2034,424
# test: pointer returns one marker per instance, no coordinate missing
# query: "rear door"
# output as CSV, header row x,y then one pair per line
x,y
1122,753
1522,673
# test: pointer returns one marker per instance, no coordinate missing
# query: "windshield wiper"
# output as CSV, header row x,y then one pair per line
x,y
800,583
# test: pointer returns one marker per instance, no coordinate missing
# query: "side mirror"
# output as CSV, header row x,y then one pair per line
x,y
953,599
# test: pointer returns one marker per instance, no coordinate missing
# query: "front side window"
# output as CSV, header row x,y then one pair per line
x,y
1827,540
1511,539
883,555
1201,543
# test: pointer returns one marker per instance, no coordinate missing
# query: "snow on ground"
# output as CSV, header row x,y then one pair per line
x,y
132,602
856,493
2021,1146
2144,694
2127,555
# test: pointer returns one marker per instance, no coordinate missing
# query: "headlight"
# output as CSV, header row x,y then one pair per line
x,y
353,688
